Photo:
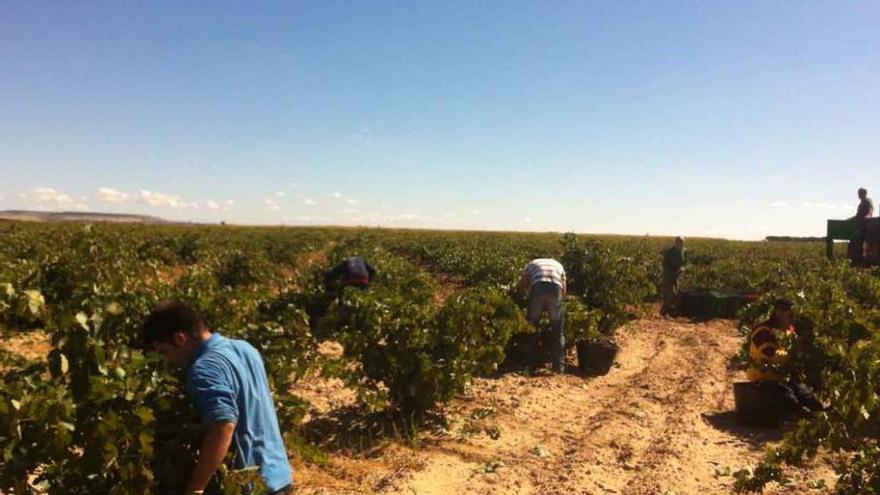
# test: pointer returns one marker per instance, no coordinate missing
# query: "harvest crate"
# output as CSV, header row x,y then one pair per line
x,y
713,303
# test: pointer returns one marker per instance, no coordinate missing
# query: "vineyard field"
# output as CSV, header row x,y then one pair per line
x,y
407,387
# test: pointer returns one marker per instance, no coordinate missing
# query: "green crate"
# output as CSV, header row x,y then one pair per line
x,y
841,229
702,303
723,304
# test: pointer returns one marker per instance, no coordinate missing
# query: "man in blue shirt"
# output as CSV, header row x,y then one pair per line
x,y
226,380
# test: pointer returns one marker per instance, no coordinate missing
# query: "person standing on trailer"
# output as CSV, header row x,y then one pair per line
x,y
673,264
226,381
354,271
545,280
864,211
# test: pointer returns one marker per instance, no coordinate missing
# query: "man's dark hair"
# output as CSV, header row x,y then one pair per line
x,y
783,303
168,318
862,190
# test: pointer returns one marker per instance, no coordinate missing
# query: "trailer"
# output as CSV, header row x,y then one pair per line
x,y
864,243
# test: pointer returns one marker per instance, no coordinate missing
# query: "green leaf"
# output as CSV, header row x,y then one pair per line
x,y
36,302
64,365
83,320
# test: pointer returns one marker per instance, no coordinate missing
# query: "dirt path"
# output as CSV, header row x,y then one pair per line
x,y
658,423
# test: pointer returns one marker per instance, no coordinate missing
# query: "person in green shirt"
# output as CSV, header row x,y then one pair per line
x,y
673,265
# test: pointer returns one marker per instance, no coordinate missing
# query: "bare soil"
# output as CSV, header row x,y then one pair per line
x,y
659,423
33,345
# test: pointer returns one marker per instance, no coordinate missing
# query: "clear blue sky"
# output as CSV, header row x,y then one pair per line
x,y
735,119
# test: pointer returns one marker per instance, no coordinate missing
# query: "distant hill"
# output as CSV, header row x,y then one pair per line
x,y
785,238
76,216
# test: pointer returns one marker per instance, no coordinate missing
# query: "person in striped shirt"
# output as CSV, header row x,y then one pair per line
x,y
545,279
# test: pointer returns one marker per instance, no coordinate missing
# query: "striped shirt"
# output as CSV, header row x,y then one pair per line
x,y
545,270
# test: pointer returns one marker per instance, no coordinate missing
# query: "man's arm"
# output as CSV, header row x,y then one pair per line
x,y
209,387
211,454
331,276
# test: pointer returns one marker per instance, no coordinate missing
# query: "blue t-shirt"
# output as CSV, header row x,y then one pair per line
x,y
227,382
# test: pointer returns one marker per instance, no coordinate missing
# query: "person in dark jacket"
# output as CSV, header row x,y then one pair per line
x,y
673,264
353,271
864,211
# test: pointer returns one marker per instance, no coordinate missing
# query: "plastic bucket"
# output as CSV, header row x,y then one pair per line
x,y
523,349
757,403
597,356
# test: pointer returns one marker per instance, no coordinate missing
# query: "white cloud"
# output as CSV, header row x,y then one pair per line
x,y
450,215
338,196
475,212
527,219
108,195
824,205
218,205
310,202
271,204
406,217
778,204
44,196
280,194
832,206
158,199
351,211
153,198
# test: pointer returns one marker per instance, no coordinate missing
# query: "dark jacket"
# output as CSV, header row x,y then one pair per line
x,y
673,260
865,209
352,271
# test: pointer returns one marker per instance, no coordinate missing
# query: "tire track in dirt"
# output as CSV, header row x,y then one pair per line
x,y
542,424
659,423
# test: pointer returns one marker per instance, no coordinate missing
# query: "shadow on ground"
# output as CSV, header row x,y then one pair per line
x,y
351,429
756,436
